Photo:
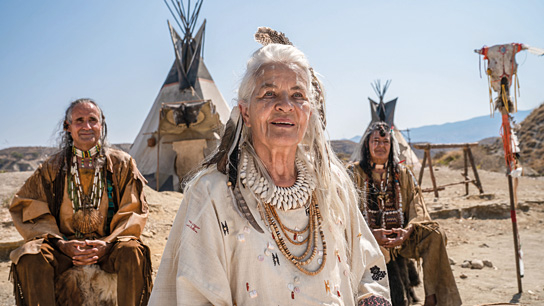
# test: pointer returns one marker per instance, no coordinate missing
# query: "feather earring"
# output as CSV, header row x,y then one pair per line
x,y
231,169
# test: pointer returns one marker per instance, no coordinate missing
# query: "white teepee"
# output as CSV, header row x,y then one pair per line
x,y
188,114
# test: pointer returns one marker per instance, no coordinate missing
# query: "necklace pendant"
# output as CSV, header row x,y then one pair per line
x,y
86,201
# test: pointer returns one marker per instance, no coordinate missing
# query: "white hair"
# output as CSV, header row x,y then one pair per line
x,y
334,190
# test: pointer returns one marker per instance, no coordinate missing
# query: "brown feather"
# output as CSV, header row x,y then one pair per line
x,y
267,36
242,206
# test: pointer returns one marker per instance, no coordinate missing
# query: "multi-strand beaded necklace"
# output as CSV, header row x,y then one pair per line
x,y
279,231
387,209
86,216
286,198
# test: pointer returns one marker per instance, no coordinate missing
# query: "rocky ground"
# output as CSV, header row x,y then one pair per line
x,y
478,228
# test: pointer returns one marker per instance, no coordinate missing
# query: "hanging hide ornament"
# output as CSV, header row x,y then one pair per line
x,y
151,141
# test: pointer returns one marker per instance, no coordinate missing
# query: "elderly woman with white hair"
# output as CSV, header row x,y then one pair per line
x,y
272,217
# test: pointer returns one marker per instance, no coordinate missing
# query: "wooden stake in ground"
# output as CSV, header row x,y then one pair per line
x,y
511,167
501,74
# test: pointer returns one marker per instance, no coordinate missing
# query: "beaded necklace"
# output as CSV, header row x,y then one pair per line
x,y
281,197
286,198
86,154
86,217
314,225
387,216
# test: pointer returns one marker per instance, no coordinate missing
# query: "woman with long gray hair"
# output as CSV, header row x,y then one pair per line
x,y
272,217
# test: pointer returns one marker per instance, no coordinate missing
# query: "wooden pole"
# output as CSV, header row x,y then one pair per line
x,y
465,158
158,148
158,158
515,230
428,152
476,176
422,168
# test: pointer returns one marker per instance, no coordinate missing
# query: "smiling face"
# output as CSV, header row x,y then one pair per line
x,y
278,111
85,126
379,147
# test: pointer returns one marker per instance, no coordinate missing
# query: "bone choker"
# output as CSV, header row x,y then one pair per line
x,y
281,197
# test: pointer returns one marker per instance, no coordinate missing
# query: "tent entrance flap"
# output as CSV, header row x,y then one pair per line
x,y
189,154
187,131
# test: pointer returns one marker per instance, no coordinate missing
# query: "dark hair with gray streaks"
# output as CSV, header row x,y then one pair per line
x,y
65,138
366,159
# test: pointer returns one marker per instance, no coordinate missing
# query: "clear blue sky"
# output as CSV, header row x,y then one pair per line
x,y
119,53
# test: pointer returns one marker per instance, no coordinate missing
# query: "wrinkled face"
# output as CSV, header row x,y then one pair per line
x,y
379,147
278,111
86,126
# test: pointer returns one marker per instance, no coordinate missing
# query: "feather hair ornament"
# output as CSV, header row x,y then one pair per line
x,y
241,207
266,36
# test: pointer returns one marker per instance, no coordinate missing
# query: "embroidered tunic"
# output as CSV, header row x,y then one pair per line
x,y
214,256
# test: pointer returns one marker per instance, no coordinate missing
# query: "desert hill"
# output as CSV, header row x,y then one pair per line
x,y
531,137
29,158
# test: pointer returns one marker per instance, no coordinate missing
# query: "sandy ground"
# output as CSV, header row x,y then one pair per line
x,y
478,227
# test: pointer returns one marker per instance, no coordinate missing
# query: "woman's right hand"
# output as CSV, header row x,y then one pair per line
x,y
380,235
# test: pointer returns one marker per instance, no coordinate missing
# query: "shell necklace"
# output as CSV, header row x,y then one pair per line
x,y
281,197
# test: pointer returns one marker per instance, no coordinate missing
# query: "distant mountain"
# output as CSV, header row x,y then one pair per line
x,y
471,130
355,139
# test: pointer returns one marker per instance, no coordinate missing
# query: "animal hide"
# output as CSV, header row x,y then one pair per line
x,y
403,277
187,113
86,286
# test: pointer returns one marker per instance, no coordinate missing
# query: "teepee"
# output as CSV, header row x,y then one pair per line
x,y
185,121
381,111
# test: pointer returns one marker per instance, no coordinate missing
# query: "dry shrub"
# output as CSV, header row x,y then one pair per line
x,y
486,157
446,158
